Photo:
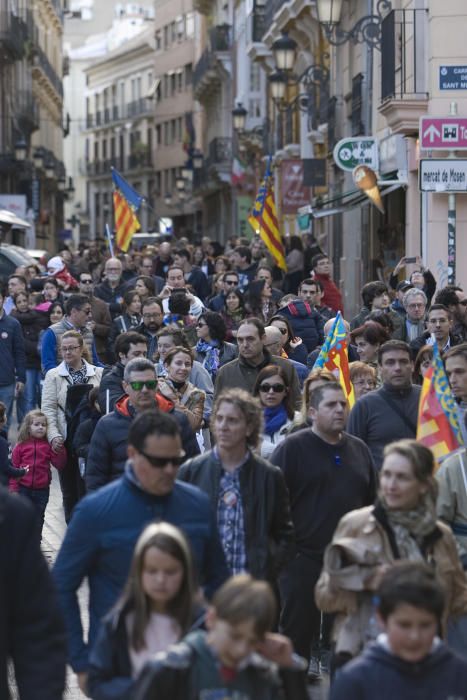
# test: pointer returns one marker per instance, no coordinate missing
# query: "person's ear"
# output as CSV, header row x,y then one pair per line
x,y
130,450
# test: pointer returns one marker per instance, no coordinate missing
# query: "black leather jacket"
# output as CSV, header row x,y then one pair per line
x,y
269,532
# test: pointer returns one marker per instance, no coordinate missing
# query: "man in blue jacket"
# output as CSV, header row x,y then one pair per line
x,y
13,363
105,525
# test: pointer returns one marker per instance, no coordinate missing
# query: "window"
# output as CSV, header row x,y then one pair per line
x,y
166,36
158,39
254,107
188,75
158,135
173,31
180,80
173,84
180,27
190,25
255,77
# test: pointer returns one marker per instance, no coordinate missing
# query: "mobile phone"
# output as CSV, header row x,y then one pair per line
x,y
410,260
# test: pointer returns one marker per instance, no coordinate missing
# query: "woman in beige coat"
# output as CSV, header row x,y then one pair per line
x,y
401,525
74,370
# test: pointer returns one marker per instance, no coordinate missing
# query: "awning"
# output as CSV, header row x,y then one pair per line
x,y
355,198
6,217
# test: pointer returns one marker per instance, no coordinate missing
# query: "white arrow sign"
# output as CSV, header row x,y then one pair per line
x,y
431,132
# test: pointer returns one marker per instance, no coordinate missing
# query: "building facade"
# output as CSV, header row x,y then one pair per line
x,y
32,125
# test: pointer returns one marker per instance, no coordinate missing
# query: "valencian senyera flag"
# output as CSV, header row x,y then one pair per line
x,y
438,424
126,203
263,220
334,357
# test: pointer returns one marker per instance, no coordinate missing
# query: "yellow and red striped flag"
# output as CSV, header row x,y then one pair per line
x,y
334,357
263,220
126,203
438,421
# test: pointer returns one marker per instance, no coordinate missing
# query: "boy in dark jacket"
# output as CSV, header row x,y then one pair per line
x,y
230,660
408,661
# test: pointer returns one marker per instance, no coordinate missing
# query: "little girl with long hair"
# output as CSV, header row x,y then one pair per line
x,y
155,611
33,452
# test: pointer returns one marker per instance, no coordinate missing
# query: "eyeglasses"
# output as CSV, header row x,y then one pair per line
x,y
276,388
161,462
364,382
70,348
232,283
86,281
150,384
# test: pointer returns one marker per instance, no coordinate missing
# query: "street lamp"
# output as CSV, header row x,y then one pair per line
x,y
180,184
197,160
366,30
239,115
38,158
168,199
49,169
284,51
187,172
62,183
278,83
21,149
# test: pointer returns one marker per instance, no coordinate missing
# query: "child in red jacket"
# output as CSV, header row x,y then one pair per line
x,y
34,453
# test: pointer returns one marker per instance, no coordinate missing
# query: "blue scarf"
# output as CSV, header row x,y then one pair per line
x,y
211,360
274,419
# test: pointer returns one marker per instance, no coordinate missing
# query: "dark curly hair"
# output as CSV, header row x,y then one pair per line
x,y
216,325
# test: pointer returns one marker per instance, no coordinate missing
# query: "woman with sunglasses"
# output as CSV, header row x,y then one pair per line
x,y
293,347
212,350
272,389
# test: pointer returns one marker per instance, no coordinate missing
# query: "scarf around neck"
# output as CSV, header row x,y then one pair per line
x,y
211,351
411,527
274,418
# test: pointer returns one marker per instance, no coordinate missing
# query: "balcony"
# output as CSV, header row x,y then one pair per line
x,y
256,29
26,111
215,65
136,161
404,69
13,34
139,107
43,72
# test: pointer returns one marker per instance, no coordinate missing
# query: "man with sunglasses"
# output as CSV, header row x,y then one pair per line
x,y
230,281
107,451
256,531
105,526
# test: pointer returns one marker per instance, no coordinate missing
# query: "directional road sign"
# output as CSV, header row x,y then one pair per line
x,y
443,175
443,133
350,152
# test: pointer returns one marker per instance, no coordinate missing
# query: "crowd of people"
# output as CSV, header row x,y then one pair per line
x,y
241,528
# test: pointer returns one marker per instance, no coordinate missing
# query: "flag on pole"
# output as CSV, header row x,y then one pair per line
x,y
263,220
334,357
126,203
438,424
238,172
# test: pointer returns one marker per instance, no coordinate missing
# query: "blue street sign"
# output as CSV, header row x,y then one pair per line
x,y
453,77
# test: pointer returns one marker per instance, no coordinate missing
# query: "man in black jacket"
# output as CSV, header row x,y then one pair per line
x,y
107,452
32,633
112,289
247,493
127,346
327,473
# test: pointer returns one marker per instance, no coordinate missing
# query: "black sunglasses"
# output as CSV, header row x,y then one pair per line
x,y
276,388
161,462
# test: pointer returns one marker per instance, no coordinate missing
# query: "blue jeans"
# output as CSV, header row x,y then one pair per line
x,y
39,498
30,397
7,396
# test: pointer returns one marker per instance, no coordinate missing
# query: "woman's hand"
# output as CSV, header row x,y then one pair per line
x,y
295,342
399,266
57,443
373,580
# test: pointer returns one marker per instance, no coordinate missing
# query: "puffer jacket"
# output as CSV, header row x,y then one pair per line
x,y
38,456
306,322
108,449
54,392
374,545
32,322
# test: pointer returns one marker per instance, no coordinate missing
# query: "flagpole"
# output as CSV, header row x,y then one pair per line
x,y
109,239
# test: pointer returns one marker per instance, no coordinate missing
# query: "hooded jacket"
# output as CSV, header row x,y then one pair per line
x,y
306,323
378,673
108,448
39,456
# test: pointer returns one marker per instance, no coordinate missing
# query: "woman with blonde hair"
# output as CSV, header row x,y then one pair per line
x,y
65,387
402,525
